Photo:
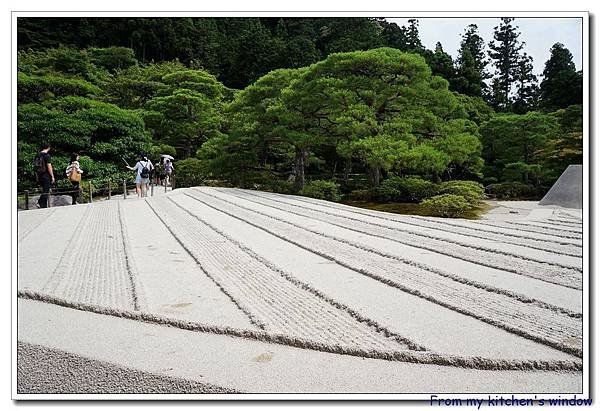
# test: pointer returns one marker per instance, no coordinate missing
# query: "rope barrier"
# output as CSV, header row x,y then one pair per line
x,y
110,190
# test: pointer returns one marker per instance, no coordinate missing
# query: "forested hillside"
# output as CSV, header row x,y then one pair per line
x,y
321,106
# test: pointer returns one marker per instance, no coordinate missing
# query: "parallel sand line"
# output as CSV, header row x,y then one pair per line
x,y
538,324
171,277
568,249
27,224
457,223
546,223
533,228
565,223
458,278
567,216
564,276
251,317
134,278
281,305
522,254
288,276
259,335
93,268
490,223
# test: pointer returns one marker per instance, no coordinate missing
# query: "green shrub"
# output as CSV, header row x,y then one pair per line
x,y
446,205
38,88
362,195
322,189
472,191
276,186
189,172
403,189
513,189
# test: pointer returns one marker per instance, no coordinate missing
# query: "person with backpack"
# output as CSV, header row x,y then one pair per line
x,y
44,173
74,173
142,178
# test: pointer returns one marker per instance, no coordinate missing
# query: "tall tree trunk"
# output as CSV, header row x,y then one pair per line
x,y
347,169
301,158
374,176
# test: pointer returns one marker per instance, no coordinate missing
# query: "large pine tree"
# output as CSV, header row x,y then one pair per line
x,y
412,37
505,54
562,86
471,64
441,63
527,90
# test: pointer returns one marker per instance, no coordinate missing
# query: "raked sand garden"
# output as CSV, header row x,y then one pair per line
x,y
218,290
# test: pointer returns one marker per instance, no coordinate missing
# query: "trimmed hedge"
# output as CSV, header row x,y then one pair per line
x,y
513,189
406,189
471,191
322,189
36,88
446,205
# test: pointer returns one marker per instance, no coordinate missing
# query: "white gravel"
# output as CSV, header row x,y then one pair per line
x,y
316,277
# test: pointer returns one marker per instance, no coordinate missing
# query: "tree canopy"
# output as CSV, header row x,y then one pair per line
x,y
282,103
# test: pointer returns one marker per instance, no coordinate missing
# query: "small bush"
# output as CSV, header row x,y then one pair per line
x,y
322,189
446,205
361,195
276,186
512,189
403,189
471,191
189,172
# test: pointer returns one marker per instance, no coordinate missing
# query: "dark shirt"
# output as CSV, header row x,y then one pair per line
x,y
42,171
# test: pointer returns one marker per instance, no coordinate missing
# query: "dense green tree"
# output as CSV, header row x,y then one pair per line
x,y
515,141
103,132
135,86
561,86
566,147
471,65
189,114
441,63
527,91
349,34
257,140
304,112
412,37
393,35
504,53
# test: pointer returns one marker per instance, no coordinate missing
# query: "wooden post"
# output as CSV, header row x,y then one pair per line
x,y
26,199
125,189
109,189
90,190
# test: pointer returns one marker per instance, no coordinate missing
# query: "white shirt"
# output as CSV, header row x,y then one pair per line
x,y
139,166
70,167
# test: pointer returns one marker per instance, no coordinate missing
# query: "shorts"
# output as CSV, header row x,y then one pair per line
x,y
140,180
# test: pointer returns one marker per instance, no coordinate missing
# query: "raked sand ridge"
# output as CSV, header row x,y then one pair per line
x,y
209,290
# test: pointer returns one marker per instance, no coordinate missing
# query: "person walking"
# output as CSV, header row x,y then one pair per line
x,y
168,171
160,172
143,168
74,173
44,173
